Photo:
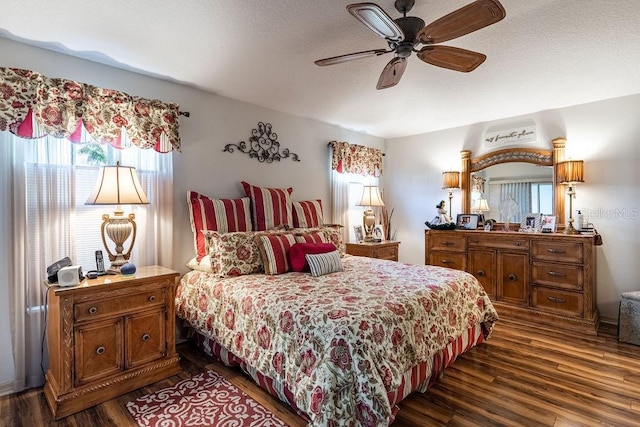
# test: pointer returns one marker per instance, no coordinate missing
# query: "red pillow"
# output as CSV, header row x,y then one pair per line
x,y
271,207
297,252
307,214
222,215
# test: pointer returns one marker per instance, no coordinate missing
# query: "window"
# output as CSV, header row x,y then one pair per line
x,y
46,182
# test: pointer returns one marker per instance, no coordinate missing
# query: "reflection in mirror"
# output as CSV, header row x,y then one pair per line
x,y
529,185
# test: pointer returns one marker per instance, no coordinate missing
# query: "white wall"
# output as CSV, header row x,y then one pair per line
x,y
604,134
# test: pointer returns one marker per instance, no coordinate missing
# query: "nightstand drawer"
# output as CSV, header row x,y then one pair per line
x,y
386,252
114,306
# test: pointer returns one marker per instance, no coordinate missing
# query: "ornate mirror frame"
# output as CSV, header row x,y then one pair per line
x,y
529,155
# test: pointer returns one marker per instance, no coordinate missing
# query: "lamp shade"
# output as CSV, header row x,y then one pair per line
x,y
450,180
117,185
371,196
570,171
480,205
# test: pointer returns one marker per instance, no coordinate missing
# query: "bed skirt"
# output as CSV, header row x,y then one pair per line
x,y
419,378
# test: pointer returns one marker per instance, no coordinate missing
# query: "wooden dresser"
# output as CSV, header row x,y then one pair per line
x,y
108,336
545,279
387,249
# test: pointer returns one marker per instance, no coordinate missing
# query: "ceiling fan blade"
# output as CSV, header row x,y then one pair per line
x,y
376,20
392,73
350,57
465,20
453,58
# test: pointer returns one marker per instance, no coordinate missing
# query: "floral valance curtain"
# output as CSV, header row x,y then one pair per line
x,y
33,105
358,159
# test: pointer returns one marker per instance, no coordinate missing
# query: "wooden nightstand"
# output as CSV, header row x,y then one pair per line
x,y
387,249
109,336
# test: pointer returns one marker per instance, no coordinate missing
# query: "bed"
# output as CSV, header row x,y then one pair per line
x,y
346,347
342,339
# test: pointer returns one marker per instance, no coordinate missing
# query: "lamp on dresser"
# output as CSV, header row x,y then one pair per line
x,y
118,185
570,172
480,206
450,180
370,198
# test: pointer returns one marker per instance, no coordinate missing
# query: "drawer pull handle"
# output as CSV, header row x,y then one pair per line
x,y
480,273
93,310
555,251
476,241
100,350
512,277
446,243
556,299
555,273
446,261
146,337
152,298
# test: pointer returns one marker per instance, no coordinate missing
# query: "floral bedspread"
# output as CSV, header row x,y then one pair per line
x,y
338,342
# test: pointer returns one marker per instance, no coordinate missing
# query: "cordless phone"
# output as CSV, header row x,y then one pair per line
x,y
99,263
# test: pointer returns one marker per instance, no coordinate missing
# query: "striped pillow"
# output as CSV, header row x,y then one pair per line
x,y
223,215
321,264
271,207
308,214
316,237
274,249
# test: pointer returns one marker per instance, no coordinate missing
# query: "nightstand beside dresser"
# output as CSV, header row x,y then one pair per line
x,y
387,249
109,336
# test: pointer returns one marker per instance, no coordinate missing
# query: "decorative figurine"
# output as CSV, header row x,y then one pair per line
x,y
441,221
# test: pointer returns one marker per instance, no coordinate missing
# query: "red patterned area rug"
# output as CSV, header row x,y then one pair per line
x,y
207,399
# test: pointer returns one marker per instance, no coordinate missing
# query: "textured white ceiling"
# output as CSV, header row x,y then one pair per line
x,y
545,54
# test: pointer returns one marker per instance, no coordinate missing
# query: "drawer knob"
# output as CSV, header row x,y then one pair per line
x,y
555,274
152,298
446,261
555,251
93,310
146,337
556,299
512,277
518,244
100,350
481,273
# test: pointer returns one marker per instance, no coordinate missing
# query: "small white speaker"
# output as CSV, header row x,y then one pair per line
x,y
69,276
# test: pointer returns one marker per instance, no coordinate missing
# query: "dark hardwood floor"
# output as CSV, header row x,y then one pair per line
x,y
519,377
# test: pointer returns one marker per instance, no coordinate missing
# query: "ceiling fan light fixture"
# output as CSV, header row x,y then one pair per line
x,y
376,20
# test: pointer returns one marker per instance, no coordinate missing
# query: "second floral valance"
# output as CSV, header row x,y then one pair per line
x,y
358,159
33,105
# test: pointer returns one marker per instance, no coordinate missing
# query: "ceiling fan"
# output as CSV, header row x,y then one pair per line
x,y
405,34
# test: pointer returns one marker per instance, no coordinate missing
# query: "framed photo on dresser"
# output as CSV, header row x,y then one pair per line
x,y
548,224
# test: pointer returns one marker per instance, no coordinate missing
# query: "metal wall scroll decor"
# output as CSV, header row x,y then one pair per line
x,y
263,145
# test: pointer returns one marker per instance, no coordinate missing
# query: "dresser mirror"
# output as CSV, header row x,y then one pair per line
x,y
526,173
